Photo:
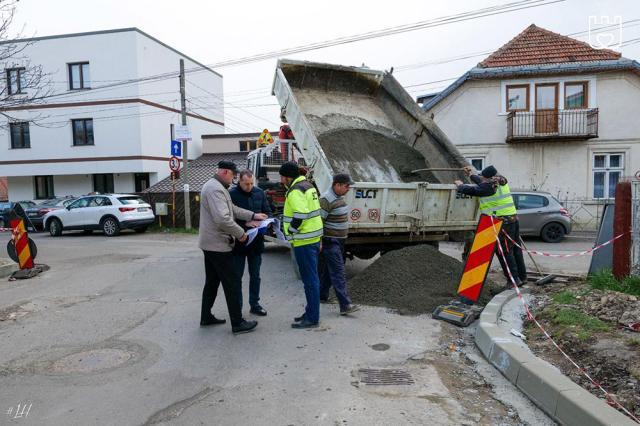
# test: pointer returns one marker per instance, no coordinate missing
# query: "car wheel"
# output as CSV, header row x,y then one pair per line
x,y
553,232
110,227
55,227
141,230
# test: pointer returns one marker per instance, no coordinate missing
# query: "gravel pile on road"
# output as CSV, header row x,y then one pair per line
x,y
412,280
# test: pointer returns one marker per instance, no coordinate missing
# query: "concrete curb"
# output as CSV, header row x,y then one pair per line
x,y
563,400
7,267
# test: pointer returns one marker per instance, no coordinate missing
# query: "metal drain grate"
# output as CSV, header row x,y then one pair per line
x,y
370,376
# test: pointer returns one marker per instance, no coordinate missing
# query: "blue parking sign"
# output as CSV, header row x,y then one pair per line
x,y
176,148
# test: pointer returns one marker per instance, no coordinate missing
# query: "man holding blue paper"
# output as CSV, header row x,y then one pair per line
x,y
247,196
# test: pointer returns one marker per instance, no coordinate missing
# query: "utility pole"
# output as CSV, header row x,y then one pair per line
x,y
185,152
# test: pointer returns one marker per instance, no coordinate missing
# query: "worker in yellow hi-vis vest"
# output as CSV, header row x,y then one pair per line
x,y
303,228
495,199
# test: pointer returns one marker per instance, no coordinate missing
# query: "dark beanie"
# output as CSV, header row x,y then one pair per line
x,y
290,170
489,172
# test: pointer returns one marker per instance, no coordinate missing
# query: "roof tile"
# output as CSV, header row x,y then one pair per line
x,y
200,171
536,45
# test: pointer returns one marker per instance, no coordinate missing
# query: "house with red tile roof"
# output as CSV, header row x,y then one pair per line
x,y
552,114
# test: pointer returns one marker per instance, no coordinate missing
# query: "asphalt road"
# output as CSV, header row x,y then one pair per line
x,y
110,335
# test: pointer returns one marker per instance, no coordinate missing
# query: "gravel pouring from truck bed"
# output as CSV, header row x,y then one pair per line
x,y
369,156
413,280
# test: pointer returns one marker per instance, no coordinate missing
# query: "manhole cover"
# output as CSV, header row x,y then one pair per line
x,y
90,361
370,376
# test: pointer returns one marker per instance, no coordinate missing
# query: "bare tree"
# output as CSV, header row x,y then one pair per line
x,y
23,83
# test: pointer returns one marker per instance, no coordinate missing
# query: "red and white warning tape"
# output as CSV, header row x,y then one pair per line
x,y
610,399
580,253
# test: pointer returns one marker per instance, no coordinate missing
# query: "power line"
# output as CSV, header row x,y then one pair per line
x,y
465,16
407,67
213,94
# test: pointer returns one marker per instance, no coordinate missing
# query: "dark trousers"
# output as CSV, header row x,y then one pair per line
x,y
332,273
512,253
218,267
253,260
307,260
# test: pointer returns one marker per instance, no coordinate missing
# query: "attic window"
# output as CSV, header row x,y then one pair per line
x,y
517,97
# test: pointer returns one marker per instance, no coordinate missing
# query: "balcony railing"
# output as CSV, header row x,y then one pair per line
x,y
548,125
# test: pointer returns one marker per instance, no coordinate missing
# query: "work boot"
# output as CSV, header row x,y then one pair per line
x,y
300,318
305,323
244,327
211,321
349,309
258,310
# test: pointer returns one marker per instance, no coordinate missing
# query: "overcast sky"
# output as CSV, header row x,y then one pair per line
x,y
214,31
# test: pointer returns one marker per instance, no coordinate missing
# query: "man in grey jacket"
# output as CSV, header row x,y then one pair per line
x,y
216,238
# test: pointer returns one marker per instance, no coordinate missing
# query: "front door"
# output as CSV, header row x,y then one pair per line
x,y
547,108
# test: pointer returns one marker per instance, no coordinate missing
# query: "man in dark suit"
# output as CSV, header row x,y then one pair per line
x,y
247,196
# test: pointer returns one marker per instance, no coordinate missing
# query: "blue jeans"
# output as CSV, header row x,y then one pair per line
x,y
332,273
307,260
254,260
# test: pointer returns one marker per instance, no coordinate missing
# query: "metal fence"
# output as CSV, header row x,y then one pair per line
x,y
635,228
585,214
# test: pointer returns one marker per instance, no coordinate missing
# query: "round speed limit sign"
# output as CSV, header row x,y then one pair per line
x,y
174,164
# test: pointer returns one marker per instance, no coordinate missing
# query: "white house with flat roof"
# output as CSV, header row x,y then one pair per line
x,y
105,125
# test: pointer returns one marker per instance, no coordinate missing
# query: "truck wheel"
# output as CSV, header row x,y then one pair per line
x,y
365,254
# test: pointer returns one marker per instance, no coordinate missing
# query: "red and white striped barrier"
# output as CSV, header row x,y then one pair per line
x,y
580,253
610,399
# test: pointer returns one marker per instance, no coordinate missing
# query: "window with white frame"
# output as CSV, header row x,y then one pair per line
x,y
476,162
608,168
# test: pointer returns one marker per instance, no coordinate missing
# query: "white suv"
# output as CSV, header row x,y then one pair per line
x,y
107,212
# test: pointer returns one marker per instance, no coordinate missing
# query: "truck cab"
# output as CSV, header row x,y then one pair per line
x,y
265,163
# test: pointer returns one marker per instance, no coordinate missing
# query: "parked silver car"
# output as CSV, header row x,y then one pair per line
x,y
541,214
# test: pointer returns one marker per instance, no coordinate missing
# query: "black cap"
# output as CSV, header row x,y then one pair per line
x,y
489,172
342,178
229,165
290,169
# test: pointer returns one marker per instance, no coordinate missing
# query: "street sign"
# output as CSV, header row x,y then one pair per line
x,y
265,138
183,133
176,148
161,209
174,164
